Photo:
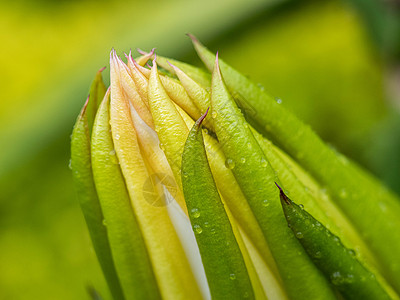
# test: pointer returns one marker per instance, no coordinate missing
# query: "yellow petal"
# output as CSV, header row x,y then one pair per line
x,y
172,270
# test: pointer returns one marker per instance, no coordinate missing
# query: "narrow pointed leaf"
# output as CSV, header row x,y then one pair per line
x,y
89,202
131,92
358,194
301,278
197,74
169,125
150,145
233,196
132,261
172,270
223,262
96,95
337,262
177,93
326,211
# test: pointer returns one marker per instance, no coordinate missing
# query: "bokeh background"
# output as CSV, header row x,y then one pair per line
x,y
333,63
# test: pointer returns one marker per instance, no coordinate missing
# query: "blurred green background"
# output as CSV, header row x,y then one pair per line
x,y
333,63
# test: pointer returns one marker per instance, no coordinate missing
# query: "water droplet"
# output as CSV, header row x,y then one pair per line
x,y
245,125
185,174
205,130
349,278
229,163
336,239
206,224
117,136
352,252
195,213
212,230
156,129
299,235
337,278
343,193
261,87
246,295
249,146
113,157
243,160
278,100
232,276
70,164
265,203
197,229
263,163
104,222
300,205
214,114
161,145
318,254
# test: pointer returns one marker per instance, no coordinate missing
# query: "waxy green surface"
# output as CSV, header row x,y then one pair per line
x,y
255,176
131,259
223,262
338,263
361,197
87,195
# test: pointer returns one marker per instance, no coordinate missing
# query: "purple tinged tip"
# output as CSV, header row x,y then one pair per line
x,y
102,69
193,38
141,52
282,195
201,119
155,60
173,66
85,106
278,187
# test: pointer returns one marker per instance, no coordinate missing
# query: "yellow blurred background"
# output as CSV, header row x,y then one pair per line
x,y
333,63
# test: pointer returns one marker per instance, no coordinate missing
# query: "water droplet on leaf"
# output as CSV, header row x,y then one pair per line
x,y
195,213
229,163
263,163
197,229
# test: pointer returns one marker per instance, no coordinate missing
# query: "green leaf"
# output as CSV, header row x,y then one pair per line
x,y
361,197
223,262
256,179
128,248
88,199
96,95
338,263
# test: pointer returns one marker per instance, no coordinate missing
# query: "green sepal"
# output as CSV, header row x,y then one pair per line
x,y
338,263
88,199
302,280
96,95
128,248
360,196
223,262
